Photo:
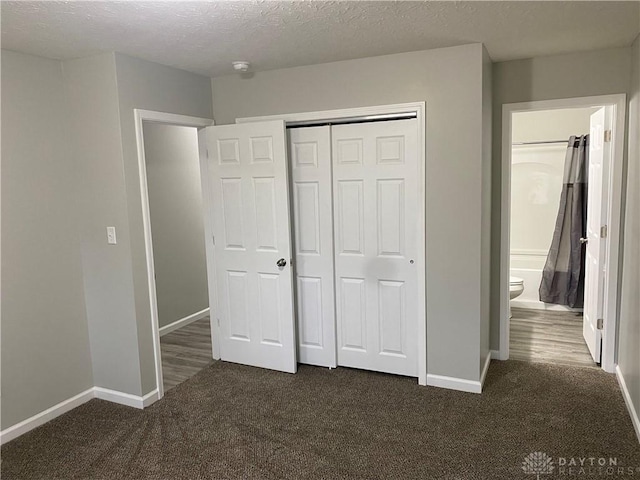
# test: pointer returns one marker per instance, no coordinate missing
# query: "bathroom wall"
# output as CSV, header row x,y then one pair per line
x,y
536,184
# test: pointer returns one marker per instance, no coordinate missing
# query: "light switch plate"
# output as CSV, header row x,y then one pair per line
x,y
111,235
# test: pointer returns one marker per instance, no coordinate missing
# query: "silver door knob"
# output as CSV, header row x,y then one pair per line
x,y
584,240
281,263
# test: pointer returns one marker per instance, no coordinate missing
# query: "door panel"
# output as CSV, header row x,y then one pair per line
x,y
599,157
250,222
310,150
376,203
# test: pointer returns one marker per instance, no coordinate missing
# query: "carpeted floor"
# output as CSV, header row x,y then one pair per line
x,y
231,421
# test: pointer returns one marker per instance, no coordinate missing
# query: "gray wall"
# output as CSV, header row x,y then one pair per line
x,y
92,93
45,344
599,72
177,226
487,112
450,81
629,333
150,86
103,92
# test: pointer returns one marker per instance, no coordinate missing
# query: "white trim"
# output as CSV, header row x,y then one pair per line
x,y
419,108
495,354
69,404
128,399
398,108
45,416
614,216
627,400
183,322
171,119
485,369
537,305
453,383
210,251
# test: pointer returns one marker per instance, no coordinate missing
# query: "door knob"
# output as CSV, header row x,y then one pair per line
x,y
281,263
584,240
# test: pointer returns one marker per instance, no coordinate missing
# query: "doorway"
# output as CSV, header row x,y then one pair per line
x,y
171,191
562,165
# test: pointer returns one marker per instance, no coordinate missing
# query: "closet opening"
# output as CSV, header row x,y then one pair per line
x,y
318,239
560,230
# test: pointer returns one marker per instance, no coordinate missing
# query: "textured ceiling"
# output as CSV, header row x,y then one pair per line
x,y
205,37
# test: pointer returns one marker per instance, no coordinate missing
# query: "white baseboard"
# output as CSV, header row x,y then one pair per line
x,y
49,414
183,321
453,383
627,399
45,416
485,369
460,384
135,401
495,354
537,305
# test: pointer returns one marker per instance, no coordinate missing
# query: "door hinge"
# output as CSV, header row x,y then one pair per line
x,y
218,321
603,231
607,135
599,324
207,150
213,239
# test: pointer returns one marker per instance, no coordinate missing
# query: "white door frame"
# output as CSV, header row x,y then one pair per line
x,y
614,215
419,108
182,121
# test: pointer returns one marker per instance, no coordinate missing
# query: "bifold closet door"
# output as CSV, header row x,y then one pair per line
x,y
252,248
375,188
310,159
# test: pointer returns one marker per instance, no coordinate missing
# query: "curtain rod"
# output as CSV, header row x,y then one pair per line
x,y
541,142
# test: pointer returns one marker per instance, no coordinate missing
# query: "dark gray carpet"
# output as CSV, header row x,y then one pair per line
x,y
231,421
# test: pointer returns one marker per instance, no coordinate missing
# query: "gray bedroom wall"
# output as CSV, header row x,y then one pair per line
x,y
599,72
92,94
629,331
487,112
45,339
177,226
149,86
450,81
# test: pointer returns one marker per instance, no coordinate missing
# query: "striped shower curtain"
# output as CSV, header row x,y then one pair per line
x,y
563,274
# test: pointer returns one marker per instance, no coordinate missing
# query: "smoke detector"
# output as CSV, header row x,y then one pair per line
x,y
241,66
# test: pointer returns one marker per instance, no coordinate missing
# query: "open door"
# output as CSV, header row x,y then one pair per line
x,y
599,159
252,244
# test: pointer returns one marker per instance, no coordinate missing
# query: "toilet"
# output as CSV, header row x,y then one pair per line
x,y
516,287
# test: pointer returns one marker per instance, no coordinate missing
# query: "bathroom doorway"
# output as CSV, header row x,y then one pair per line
x,y
561,185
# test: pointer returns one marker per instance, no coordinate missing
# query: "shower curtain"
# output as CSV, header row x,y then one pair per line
x,y
563,274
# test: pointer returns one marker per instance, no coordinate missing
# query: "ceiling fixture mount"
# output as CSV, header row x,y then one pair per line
x,y
241,66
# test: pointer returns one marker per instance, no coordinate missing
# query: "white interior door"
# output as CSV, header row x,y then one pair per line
x,y
250,223
375,170
599,158
310,155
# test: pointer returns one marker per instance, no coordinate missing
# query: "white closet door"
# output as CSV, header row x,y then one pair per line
x,y
250,220
375,170
310,157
